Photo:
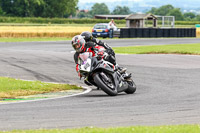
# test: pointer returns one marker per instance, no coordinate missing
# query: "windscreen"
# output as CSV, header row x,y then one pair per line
x,y
84,56
100,27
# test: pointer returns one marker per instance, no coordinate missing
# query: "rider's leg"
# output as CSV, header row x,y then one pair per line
x,y
113,61
120,69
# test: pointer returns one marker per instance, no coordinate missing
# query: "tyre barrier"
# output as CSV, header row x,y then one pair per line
x,y
157,32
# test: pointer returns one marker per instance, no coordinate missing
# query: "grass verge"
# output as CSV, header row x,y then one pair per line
x,y
33,39
42,31
11,88
161,49
134,129
36,39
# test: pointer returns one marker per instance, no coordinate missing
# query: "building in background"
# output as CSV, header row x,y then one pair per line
x,y
139,20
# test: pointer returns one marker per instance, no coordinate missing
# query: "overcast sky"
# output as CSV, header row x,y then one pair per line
x,y
143,4
178,1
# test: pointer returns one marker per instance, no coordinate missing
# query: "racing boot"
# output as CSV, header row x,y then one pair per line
x,y
120,69
127,76
87,83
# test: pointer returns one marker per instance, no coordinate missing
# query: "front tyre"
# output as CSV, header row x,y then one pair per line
x,y
131,87
105,87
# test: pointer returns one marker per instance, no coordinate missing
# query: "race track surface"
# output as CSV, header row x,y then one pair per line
x,y
168,88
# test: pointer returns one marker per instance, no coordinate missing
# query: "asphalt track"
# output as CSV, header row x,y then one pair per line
x,y
168,88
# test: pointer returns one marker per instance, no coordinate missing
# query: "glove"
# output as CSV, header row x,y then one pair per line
x,y
110,51
79,74
100,55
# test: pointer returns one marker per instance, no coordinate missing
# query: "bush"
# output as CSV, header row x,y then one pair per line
x,y
186,22
55,20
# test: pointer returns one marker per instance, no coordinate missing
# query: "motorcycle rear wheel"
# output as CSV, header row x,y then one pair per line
x,y
131,87
98,80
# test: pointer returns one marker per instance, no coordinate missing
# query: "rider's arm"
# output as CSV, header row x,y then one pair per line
x,y
105,45
76,60
90,44
77,65
100,43
76,57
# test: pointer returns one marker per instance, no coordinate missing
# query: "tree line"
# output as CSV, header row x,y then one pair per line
x,y
169,10
165,10
65,8
38,8
53,8
102,9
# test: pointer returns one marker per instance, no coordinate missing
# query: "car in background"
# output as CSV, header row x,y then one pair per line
x,y
102,30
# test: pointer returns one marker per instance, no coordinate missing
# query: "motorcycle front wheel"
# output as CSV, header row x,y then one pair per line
x,y
131,87
106,87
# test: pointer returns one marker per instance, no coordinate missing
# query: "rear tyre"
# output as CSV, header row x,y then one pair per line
x,y
105,87
131,87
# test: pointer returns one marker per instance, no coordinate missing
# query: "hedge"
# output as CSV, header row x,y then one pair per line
x,y
55,20
73,21
180,22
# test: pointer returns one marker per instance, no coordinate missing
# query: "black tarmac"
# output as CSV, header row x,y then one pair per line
x,y
168,88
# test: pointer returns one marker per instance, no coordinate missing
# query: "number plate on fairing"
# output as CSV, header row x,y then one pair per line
x,y
86,65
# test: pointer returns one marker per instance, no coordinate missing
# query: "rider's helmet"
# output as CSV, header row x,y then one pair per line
x,y
78,43
87,35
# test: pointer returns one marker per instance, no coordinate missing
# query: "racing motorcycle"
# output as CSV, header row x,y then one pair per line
x,y
103,74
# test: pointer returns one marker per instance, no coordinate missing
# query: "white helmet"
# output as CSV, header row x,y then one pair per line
x,y
78,43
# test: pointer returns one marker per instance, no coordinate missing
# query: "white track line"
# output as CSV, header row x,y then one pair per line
x,y
87,90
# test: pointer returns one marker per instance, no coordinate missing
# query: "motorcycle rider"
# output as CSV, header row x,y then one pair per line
x,y
80,45
90,40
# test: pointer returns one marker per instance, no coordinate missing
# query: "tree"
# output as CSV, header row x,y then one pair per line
x,y
153,10
59,8
121,10
168,10
31,7
5,6
84,15
38,8
23,8
99,8
198,17
177,13
164,10
1,12
189,15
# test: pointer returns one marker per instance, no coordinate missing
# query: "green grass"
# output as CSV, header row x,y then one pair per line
x,y
11,88
34,24
161,49
84,25
32,39
133,129
64,25
42,39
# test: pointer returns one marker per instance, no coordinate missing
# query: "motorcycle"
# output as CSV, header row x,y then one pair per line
x,y
103,74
